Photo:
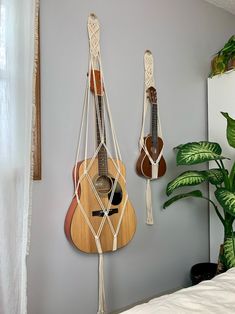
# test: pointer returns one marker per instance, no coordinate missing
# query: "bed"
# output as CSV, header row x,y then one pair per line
x,y
216,296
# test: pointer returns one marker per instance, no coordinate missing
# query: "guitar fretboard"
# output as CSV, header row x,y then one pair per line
x,y
100,130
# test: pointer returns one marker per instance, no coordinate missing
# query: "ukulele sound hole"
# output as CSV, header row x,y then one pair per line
x,y
103,185
154,150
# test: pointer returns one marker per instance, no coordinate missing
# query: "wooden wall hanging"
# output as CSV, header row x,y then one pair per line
x,y
151,165
100,217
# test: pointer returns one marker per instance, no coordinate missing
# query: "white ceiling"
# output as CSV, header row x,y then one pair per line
x,y
228,5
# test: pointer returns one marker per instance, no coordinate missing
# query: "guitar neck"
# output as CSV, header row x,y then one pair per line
x,y
154,130
100,130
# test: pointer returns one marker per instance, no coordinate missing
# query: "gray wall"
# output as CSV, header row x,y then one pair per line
x,y
183,35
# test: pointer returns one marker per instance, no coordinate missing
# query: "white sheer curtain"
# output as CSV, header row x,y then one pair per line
x,y
16,90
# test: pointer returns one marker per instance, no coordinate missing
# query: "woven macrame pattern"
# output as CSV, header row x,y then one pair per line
x,y
92,105
149,82
95,63
148,67
94,35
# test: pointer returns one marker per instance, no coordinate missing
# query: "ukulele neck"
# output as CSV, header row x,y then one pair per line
x,y
101,138
154,129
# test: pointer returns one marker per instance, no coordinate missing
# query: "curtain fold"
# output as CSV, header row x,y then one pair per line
x,y
17,20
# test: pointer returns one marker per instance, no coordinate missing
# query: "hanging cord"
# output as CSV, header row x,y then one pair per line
x,y
95,63
149,82
87,167
149,208
102,302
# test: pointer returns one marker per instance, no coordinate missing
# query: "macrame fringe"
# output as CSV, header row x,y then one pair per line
x,y
149,208
102,305
115,242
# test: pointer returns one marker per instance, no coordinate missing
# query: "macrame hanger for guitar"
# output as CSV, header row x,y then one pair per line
x,y
95,64
94,41
149,82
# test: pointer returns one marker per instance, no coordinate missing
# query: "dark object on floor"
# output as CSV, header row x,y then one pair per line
x,y
202,271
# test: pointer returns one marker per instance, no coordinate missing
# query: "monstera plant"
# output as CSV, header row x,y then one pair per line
x,y
221,178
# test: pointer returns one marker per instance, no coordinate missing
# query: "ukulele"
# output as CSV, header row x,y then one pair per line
x,y
153,144
106,182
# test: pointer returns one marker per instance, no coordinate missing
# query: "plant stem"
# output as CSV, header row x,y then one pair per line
x,y
218,164
231,178
226,178
216,209
228,227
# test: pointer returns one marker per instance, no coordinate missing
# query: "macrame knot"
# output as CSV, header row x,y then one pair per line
x,y
148,62
94,35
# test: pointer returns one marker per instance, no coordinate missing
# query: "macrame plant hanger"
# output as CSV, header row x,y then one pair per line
x,y
149,82
112,149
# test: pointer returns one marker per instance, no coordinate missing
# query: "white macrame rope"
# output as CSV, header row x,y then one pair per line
x,y
82,122
149,209
101,309
106,102
95,63
87,123
148,69
123,210
94,35
93,187
141,141
149,82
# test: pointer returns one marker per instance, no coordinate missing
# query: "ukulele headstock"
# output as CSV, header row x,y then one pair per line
x,y
96,85
152,95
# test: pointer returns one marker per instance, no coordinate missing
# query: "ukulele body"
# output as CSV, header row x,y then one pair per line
x,y
144,166
76,227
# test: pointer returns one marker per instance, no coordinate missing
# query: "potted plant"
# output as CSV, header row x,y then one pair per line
x,y
223,180
224,60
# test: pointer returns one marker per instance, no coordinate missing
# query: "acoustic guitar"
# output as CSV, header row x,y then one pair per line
x,y
103,183
153,144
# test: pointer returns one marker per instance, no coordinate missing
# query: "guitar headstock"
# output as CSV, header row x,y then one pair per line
x,y
96,85
152,95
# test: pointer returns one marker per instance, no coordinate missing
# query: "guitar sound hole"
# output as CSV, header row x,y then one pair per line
x,y
103,185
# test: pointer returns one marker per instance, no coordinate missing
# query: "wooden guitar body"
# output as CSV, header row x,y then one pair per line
x,y
144,166
76,227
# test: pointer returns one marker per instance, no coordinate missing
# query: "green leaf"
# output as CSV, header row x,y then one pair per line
x,y
198,152
226,200
230,132
229,252
218,64
229,46
187,178
215,176
196,193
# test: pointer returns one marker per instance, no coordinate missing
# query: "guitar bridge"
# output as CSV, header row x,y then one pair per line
x,y
101,213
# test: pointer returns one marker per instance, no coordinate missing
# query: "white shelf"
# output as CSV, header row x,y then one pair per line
x,y
221,97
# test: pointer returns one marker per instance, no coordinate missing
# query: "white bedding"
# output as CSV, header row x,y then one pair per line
x,y
216,296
